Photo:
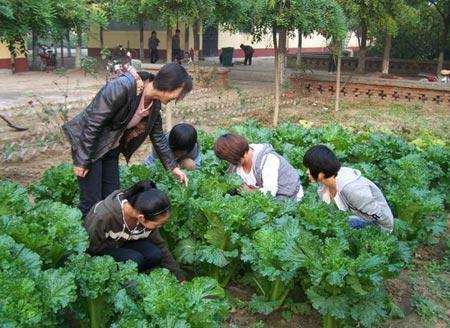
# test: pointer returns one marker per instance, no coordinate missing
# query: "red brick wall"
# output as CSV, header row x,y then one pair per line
x,y
21,64
396,66
388,92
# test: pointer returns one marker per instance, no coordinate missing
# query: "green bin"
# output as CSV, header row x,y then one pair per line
x,y
136,63
227,56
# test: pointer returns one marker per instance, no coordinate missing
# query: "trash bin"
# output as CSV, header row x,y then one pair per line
x,y
227,56
136,63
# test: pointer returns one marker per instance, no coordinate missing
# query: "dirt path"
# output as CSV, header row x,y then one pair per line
x,y
52,86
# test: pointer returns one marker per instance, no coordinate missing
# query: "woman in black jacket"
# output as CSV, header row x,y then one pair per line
x,y
119,118
125,226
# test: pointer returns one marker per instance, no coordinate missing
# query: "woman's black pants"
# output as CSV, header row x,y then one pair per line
x,y
101,180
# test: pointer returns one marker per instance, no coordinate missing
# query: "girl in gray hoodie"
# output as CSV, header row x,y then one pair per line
x,y
348,189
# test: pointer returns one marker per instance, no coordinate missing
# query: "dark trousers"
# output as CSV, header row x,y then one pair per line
x,y
332,64
101,180
154,56
248,59
146,254
177,55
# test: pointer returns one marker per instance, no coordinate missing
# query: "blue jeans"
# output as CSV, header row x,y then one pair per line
x,y
356,222
146,254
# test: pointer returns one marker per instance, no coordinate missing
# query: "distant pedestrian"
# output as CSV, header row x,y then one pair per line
x,y
331,59
153,43
176,50
248,52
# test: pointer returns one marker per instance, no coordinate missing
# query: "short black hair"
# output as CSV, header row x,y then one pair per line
x,y
147,200
320,158
177,31
183,136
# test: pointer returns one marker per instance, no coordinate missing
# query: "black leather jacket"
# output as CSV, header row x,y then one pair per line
x,y
94,131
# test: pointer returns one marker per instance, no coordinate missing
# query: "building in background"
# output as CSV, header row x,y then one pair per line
x,y
212,39
6,62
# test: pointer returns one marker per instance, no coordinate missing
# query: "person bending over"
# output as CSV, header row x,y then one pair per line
x,y
260,167
348,189
183,143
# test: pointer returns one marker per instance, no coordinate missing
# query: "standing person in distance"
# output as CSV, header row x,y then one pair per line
x,y
153,43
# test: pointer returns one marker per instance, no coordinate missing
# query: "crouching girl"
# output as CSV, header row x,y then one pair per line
x,y
125,226
348,189
260,167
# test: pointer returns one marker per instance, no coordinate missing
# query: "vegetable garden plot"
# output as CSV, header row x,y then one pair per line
x,y
220,239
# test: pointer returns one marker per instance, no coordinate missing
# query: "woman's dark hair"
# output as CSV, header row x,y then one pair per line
x,y
171,77
148,200
320,158
153,32
183,136
146,76
231,148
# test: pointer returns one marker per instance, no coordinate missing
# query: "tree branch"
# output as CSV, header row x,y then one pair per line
x,y
12,125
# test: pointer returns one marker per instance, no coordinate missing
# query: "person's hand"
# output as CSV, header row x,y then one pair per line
x,y
80,171
180,176
248,188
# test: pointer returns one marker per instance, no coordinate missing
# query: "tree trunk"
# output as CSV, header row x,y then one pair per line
x,y
362,51
69,50
387,53
34,59
141,38
196,32
444,38
277,78
299,49
13,62
102,42
186,37
169,44
338,79
78,50
62,52
282,54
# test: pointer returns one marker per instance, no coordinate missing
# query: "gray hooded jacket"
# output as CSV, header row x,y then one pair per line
x,y
362,197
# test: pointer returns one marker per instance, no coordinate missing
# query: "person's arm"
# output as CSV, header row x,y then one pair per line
x,y
270,175
162,148
167,259
94,225
106,103
161,145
